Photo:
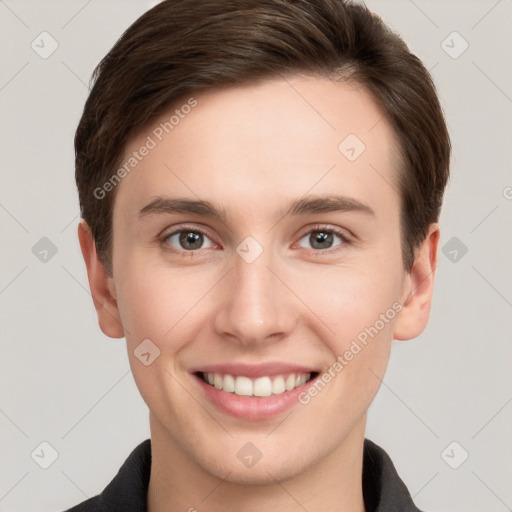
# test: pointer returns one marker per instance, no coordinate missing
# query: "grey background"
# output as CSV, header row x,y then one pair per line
x,y
62,381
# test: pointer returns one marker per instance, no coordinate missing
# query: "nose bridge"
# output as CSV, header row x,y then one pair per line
x,y
255,307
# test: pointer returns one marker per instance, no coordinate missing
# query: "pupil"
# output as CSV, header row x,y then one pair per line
x,y
320,239
191,240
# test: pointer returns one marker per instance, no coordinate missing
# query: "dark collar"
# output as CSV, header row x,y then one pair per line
x,y
383,490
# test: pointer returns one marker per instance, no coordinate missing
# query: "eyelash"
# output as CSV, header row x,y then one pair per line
x,y
345,240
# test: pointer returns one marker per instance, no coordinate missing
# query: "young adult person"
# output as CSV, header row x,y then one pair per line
x,y
260,184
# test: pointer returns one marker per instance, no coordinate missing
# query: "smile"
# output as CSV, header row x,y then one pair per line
x,y
258,387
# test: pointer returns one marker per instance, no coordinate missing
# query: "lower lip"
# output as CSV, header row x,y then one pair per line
x,y
251,407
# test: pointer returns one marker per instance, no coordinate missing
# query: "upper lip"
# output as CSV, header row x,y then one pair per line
x,y
254,370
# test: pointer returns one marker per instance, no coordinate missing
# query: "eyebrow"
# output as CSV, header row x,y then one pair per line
x,y
302,206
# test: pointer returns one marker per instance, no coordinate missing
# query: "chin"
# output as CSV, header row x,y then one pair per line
x,y
267,470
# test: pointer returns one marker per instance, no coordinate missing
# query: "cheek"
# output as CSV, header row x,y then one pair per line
x,y
352,302
156,302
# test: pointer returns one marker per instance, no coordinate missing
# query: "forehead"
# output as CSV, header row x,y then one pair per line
x,y
278,139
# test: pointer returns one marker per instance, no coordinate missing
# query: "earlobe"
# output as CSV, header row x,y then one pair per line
x,y
101,285
418,289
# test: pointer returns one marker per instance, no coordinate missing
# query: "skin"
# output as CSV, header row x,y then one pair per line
x,y
251,150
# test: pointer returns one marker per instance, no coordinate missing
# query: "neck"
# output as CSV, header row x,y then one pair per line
x,y
179,483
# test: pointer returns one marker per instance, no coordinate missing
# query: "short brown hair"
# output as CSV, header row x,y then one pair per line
x,y
182,46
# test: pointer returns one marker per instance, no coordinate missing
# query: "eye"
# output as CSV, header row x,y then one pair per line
x,y
322,238
188,240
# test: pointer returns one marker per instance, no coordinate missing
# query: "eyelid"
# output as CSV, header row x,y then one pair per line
x,y
345,235
166,233
171,230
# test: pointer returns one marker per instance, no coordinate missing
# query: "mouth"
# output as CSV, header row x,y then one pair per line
x,y
254,392
263,386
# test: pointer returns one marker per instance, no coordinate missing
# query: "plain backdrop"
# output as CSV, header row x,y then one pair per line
x,y
446,395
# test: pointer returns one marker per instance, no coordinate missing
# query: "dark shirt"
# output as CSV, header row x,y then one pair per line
x,y
383,490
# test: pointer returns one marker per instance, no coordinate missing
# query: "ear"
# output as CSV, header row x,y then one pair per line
x,y
418,289
101,285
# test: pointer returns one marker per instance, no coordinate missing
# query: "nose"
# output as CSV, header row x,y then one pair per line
x,y
255,307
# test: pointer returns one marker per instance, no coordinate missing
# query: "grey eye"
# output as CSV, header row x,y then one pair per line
x,y
189,240
320,239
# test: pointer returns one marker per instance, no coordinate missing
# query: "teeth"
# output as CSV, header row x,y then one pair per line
x,y
278,386
243,386
262,386
229,383
217,380
290,382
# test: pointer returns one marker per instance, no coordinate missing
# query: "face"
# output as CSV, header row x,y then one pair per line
x,y
256,241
